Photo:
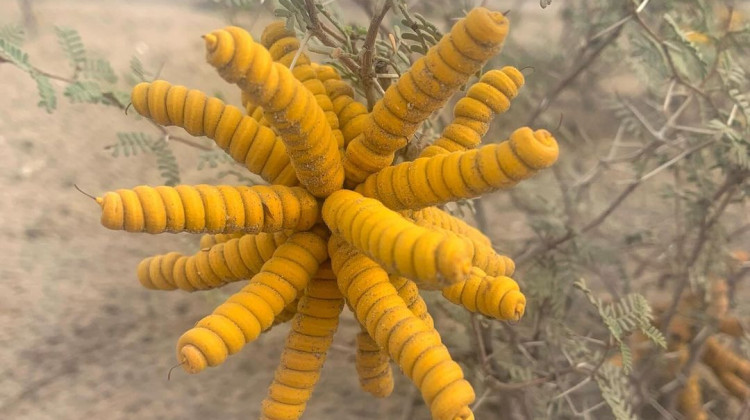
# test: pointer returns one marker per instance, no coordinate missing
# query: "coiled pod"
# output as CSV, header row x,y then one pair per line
x,y
373,367
242,137
722,359
411,343
474,112
461,175
252,310
691,401
209,209
402,247
495,297
409,292
731,326
325,72
289,106
734,384
288,312
207,241
423,89
351,113
283,46
439,218
212,267
305,350
482,256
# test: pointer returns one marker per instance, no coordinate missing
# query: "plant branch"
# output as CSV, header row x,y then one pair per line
x,y
367,72
318,31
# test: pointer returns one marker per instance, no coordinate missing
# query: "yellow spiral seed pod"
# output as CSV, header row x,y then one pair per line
x,y
252,310
290,107
246,141
462,175
690,400
423,89
288,312
283,46
325,72
373,367
474,112
721,359
351,113
409,292
496,297
439,218
731,326
305,350
734,385
207,241
225,262
402,247
411,343
482,256
209,209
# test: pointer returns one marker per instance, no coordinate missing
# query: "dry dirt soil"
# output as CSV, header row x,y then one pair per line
x,y
79,337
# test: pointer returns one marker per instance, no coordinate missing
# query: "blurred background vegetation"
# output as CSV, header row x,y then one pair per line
x,y
624,249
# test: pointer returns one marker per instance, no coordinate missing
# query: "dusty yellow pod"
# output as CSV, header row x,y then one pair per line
x,y
398,331
265,296
427,87
446,257
274,87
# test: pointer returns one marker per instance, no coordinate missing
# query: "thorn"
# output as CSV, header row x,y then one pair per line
x,y
128,107
84,192
559,123
169,374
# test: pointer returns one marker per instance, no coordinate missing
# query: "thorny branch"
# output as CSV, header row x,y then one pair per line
x,y
368,52
321,32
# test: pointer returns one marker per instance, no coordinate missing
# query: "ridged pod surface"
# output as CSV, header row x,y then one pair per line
x,y
351,113
734,384
325,72
411,343
252,310
403,248
207,241
495,297
439,218
242,137
373,367
462,175
473,113
283,46
305,350
732,370
482,256
290,107
209,209
690,400
423,89
722,359
212,267
409,292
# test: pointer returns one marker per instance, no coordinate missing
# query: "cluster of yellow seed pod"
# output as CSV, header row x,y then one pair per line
x,y
695,311
338,225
